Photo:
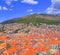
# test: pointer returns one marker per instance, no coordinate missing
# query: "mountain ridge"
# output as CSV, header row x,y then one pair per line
x,y
35,18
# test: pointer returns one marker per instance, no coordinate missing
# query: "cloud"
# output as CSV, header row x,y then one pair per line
x,y
0,8
30,1
29,10
31,13
4,8
8,2
54,8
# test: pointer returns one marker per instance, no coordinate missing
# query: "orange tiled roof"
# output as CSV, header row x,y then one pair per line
x,y
4,54
4,37
57,54
2,46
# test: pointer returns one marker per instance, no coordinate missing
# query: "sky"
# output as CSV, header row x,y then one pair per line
x,y
17,8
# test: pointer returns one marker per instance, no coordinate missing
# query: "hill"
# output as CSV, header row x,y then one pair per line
x,y
35,18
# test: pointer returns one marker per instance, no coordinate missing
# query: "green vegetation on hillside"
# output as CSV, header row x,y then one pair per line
x,y
1,42
38,20
1,30
34,20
